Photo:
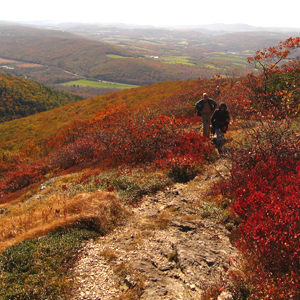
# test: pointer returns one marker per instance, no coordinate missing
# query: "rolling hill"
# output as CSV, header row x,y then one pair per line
x,y
126,54
39,128
20,97
197,42
83,58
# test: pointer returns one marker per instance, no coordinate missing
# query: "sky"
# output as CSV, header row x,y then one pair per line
x,y
266,13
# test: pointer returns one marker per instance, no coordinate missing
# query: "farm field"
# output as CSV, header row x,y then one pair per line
x,y
8,63
177,60
98,84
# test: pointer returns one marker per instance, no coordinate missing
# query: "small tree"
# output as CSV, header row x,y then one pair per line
x,y
276,87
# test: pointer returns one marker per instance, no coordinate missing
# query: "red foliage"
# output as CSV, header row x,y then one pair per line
x,y
276,87
113,139
8,162
269,207
188,151
266,189
24,175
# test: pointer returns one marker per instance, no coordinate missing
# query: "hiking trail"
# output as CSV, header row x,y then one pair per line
x,y
166,250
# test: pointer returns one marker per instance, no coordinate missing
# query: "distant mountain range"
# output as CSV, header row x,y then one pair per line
x,y
52,53
238,27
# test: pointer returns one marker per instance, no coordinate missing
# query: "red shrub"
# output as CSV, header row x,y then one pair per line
x,y
80,151
141,139
267,201
265,192
185,156
270,209
24,175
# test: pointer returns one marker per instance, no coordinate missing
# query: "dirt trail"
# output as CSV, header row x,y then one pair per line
x,y
165,251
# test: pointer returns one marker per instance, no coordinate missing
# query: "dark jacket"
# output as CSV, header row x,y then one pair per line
x,y
200,104
220,120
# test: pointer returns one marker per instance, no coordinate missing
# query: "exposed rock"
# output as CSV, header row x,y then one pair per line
x,y
166,250
48,183
225,296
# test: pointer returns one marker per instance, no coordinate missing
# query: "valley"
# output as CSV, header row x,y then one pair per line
x,y
128,55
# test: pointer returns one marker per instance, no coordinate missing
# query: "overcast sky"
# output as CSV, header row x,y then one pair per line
x,y
156,12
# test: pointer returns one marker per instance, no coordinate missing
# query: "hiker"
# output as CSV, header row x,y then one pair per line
x,y
205,108
220,122
217,91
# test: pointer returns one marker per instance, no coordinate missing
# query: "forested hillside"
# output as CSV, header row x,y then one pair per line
x,y
20,97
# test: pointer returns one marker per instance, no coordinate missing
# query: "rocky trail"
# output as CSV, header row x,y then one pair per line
x,y
165,251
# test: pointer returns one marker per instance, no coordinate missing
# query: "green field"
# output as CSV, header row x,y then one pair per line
x,y
117,56
229,59
212,67
98,84
148,42
237,58
176,60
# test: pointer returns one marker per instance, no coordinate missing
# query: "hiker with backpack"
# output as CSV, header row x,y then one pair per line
x,y
205,108
220,121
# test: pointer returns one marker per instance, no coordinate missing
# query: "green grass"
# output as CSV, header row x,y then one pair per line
x,y
147,42
117,56
98,84
176,60
239,59
38,269
129,185
212,67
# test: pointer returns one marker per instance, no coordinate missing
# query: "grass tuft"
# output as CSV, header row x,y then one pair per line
x,y
98,211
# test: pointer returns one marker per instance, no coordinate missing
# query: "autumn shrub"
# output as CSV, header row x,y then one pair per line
x,y
9,161
264,185
184,160
264,284
83,150
276,87
116,137
264,189
166,143
23,175
269,207
142,140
